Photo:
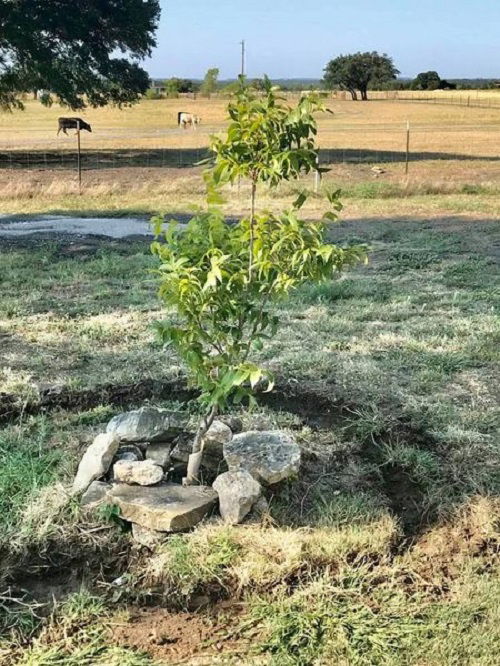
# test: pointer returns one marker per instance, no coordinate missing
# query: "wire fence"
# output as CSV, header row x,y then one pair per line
x,y
485,101
378,143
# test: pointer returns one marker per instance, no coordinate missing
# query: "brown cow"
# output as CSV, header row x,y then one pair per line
x,y
72,123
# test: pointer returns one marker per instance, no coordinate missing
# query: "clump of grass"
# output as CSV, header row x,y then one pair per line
x,y
186,564
28,465
75,635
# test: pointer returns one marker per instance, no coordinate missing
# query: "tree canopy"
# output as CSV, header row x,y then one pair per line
x,y
426,81
359,70
209,84
83,54
431,81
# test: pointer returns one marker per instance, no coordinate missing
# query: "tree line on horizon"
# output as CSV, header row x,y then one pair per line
x,y
82,58
355,73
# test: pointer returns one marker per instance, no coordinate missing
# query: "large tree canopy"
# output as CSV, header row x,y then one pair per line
x,y
79,52
359,70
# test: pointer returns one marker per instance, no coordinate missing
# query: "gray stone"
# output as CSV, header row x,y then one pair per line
x,y
128,452
148,424
238,491
213,446
146,537
159,453
95,461
233,422
217,435
140,472
165,508
270,457
95,494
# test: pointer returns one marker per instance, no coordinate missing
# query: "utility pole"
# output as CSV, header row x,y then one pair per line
x,y
242,57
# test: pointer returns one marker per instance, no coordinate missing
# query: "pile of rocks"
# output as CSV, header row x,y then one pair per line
x,y
135,465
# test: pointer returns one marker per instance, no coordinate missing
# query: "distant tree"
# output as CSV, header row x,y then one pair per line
x,y
174,86
70,52
357,71
209,84
426,81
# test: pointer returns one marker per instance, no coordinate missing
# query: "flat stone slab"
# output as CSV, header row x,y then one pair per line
x,y
269,456
166,508
148,424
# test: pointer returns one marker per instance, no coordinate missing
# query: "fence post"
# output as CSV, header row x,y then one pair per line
x,y
79,157
407,160
317,175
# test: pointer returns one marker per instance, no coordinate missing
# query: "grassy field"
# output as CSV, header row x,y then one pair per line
x,y
454,164
386,551
376,125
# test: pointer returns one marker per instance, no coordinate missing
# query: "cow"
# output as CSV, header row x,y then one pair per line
x,y
184,119
72,123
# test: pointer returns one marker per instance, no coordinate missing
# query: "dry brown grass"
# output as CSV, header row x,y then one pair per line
x,y
378,125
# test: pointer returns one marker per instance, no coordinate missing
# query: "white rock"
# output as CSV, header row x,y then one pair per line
x,y
148,424
96,461
140,472
238,491
270,456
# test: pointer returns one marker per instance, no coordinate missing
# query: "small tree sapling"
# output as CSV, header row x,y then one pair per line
x,y
222,278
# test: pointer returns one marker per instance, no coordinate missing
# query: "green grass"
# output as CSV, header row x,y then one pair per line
x,y
408,344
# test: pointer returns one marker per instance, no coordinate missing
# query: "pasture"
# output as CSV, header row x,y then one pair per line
x,y
131,159
385,552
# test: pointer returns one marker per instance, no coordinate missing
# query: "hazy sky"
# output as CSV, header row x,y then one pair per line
x,y
295,38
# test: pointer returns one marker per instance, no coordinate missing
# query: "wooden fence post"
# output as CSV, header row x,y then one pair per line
x,y
407,161
79,157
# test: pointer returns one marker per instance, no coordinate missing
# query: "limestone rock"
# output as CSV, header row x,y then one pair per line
x,y
269,456
217,435
148,424
146,537
165,508
238,491
159,453
95,494
142,472
95,461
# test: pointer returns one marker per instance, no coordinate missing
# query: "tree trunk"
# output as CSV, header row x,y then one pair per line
x,y
364,94
194,460
252,223
354,95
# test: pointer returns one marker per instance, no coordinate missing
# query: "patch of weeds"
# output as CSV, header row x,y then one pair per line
x,y
75,635
28,464
94,416
346,289
339,621
339,509
470,273
190,562
400,261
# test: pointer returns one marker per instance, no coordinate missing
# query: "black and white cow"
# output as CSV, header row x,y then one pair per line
x,y
184,119
72,123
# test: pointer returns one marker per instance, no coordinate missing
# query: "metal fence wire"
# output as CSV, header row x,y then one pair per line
x,y
475,142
